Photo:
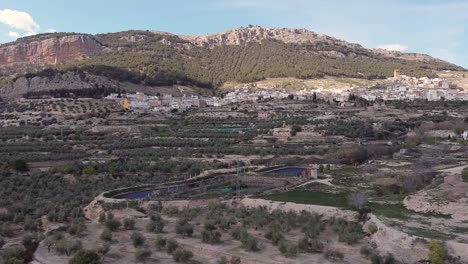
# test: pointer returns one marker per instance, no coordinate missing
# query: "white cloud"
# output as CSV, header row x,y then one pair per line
x,y
395,47
19,20
22,22
13,34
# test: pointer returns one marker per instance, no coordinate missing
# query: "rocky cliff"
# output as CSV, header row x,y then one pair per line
x,y
48,50
66,80
245,35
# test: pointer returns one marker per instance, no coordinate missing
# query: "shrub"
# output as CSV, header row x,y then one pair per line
x,y
348,232
156,224
103,249
295,129
86,257
366,251
309,245
211,237
184,228
89,170
77,227
181,255
372,228
358,200
14,255
274,235
112,224
20,165
68,247
376,259
160,243
171,246
141,255
465,174
249,242
102,218
227,222
236,233
288,251
436,252
137,239
333,255
69,169
106,235
129,224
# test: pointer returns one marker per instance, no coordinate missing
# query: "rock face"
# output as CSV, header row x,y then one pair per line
x,y
406,56
245,35
67,80
48,51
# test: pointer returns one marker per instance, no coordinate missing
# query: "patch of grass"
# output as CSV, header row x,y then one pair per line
x,y
408,144
398,211
460,230
310,197
345,170
431,141
431,234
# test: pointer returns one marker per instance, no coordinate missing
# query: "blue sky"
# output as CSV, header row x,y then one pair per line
x,y
435,27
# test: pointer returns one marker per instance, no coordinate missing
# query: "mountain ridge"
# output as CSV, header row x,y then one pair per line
x,y
242,54
236,36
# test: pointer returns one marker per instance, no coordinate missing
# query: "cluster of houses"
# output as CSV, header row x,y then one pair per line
x,y
164,102
397,92
399,87
402,87
167,102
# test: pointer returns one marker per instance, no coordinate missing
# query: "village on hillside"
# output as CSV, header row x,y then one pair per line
x,y
399,87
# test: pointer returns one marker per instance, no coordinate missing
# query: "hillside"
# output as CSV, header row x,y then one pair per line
x,y
244,54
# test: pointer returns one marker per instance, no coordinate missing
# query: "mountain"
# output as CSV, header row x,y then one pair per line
x,y
154,58
48,49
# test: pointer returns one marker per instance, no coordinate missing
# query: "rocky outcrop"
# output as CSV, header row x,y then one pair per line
x,y
245,35
407,56
50,50
67,80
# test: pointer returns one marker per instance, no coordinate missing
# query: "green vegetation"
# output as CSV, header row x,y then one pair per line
x,y
129,224
86,257
156,224
184,228
106,235
151,62
429,233
142,254
20,165
372,228
437,252
137,239
171,246
398,211
181,255
307,197
160,243
465,174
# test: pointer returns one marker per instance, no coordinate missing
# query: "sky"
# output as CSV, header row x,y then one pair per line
x,y
434,27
